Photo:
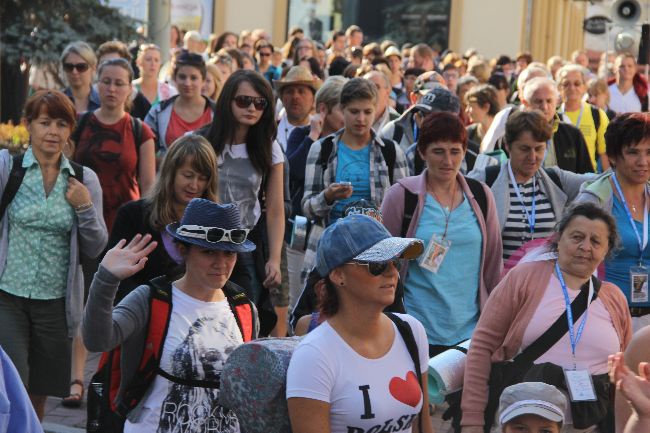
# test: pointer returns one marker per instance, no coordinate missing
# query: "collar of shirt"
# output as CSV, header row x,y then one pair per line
x,y
29,160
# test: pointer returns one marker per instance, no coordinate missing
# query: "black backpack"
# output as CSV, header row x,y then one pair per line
x,y
16,176
411,202
387,150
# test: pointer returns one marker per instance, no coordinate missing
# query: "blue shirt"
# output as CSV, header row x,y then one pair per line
x,y
447,302
16,411
617,270
352,166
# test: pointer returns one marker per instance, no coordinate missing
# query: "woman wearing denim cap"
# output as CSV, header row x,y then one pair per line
x,y
344,377
202,329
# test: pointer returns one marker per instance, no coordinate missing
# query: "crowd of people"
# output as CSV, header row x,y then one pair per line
x,y
259,191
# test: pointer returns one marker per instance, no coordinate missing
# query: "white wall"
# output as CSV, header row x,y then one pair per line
x,y
493,27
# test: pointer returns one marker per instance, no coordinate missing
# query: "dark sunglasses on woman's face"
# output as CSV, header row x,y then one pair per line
x,y
378,268
264,54
244,101
81,67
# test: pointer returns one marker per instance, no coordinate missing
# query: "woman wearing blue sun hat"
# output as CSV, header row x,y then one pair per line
x,y
209,317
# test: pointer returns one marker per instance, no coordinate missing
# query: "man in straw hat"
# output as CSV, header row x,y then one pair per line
x,y
296,91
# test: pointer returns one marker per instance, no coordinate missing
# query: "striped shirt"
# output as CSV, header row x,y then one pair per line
x,y
516,230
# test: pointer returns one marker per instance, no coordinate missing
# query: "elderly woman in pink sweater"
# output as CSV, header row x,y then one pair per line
x,y
533,296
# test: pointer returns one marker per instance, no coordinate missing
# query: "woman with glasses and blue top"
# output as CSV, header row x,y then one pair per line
x,y
623,191
251,169
203,328
344,377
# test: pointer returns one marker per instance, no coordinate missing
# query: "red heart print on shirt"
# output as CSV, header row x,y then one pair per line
x,y
406,391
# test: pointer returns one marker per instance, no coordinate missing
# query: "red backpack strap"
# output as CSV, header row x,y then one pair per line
x,y
160,308
242,309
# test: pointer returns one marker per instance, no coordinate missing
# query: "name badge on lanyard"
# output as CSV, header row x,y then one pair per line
x,y
579,381
638,288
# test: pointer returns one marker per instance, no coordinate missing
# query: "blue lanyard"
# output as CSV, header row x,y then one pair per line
x,y
575,338
549,143
529,216
416,130
644,242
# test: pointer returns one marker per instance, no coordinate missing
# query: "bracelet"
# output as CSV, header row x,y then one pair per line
x,y
84,206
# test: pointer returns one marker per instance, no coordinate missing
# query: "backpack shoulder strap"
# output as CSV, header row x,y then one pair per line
x,y
595,114
78,170
479,195
406,333
389,153
326,147
16,176
398,132
242,309
83,120
160,309
410,203
491,174
554,177
136,126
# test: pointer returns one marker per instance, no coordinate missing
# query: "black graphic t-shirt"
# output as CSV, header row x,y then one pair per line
x,y
201,335
365,395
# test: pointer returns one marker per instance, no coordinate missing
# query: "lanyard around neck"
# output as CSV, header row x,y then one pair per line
x,y
574,337
566,118
644,242
529,216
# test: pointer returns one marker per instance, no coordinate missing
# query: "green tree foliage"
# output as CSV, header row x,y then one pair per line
x,y
37,31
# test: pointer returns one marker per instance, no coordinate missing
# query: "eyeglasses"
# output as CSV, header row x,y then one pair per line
x,y
244,101
264,54
81,67
378,268
213,234
566,84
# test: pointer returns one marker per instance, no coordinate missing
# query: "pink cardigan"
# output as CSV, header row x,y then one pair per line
x,y
392,209
501,327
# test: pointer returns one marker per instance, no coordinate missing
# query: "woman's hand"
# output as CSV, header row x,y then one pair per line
x,y
124,260
273,274
77,194
636,389
337,191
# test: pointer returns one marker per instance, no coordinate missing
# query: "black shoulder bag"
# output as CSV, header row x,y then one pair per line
x,y
522,369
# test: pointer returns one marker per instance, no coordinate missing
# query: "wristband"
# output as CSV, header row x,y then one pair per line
x,y
84,206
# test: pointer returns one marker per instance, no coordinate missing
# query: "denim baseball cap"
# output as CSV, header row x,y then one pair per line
x,y
363,239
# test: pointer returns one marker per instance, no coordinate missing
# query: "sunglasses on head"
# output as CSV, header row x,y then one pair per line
x,y
244,101
378,268
81,67
213,234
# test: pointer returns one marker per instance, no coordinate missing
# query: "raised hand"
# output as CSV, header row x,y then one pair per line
x,y
636,389
125,260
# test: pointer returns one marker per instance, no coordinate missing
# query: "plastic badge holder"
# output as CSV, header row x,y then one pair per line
x,y
446,372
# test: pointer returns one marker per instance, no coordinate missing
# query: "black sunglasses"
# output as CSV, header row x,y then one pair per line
x,y
81,67
378,268
244,101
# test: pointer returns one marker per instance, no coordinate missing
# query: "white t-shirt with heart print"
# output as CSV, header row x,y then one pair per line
x,y
365,395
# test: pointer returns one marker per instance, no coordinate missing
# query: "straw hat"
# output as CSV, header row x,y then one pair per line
x,y
298,75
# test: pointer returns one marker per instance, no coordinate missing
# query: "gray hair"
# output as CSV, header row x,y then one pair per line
x,y
378,73
564,71
537,83
529,73
330,92
81,49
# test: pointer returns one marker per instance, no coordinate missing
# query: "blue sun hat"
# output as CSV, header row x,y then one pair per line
x,y
213,226
363,239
